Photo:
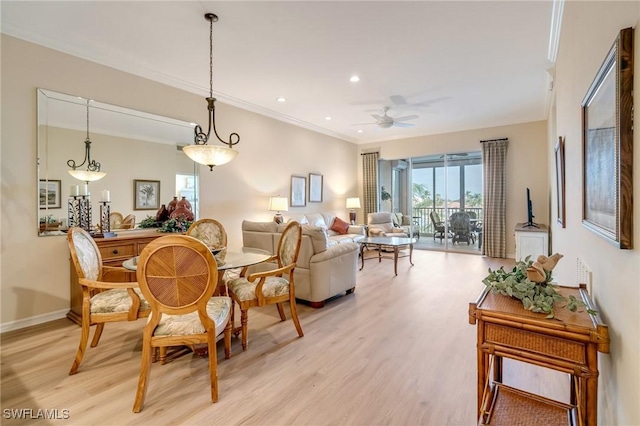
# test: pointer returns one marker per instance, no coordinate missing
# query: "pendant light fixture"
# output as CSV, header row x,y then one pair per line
x,y
92,173
201,152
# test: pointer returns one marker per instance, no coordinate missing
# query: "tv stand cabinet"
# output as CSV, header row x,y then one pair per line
x,y
531,241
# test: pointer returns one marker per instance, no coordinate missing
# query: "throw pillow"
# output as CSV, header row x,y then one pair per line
x,y
340,226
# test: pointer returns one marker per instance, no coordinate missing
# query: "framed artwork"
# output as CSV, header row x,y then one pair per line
x,y
298,191
49,194
607,142
315,188
146,194
560,181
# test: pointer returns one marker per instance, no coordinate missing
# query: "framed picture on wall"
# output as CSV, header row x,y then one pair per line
x,y
298,191
49,194
146,194
559,149
607,142
315,188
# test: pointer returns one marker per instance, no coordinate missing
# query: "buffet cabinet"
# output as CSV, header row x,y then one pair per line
x,y
114,251
569,343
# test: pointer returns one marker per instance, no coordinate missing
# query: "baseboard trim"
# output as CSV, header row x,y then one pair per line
x,y
28,322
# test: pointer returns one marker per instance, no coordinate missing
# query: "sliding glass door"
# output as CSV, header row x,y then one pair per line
x,y
442,186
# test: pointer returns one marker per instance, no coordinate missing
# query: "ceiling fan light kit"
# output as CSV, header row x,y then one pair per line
x,y
385,121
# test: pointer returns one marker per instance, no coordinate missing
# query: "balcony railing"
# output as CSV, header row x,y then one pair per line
x,y
422,220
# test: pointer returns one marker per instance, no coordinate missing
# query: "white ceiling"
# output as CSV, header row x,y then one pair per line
x,y
467,64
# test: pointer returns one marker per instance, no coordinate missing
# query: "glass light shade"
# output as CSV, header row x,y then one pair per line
x,y
210,155
353,203
87,175
279,204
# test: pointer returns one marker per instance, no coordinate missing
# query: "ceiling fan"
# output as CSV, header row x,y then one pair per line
x,y
385,121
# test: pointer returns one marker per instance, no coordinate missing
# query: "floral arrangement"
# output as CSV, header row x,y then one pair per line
x,y
150,222
530,282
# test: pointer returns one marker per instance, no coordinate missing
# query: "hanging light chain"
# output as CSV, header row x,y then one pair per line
x,y
92,165
201,138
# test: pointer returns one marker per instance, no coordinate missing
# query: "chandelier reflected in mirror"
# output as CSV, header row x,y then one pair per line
x,y
92,172
201,152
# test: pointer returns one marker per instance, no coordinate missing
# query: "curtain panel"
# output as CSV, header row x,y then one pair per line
x,y
494,161
370,182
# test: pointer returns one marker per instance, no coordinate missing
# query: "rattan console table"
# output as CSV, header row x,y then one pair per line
x,y
569,343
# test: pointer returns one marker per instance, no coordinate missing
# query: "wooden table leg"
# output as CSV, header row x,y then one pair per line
x,y
362,255
396,249
411,254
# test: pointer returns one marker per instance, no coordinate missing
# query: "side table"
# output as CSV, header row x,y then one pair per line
x,y
569,343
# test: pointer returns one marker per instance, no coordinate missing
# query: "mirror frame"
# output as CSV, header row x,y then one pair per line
x,y
155,128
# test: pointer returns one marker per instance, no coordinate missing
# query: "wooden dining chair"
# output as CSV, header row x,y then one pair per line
x,y
115,220
270,287
102,301
177,276
210,232
129,222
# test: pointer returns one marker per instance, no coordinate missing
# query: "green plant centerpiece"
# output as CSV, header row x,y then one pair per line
x,y
176,224
150,222
531,283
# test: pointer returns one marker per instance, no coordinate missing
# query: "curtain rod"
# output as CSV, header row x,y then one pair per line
x,y
495,140
369,153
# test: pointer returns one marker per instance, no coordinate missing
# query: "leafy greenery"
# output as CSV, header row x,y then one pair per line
x,y
422,198
384,194
48,219
179,224
150,222
534,296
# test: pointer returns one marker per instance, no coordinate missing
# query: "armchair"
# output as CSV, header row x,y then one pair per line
x,y
438,226
178,275
270,287
102,301
381,225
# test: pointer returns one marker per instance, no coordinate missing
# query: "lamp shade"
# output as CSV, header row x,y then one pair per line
x,y
87,175
353,203
278,204
210,155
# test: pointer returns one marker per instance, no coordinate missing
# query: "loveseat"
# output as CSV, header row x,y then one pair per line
x,y
327,261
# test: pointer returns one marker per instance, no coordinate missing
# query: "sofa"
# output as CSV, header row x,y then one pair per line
x,y
327,261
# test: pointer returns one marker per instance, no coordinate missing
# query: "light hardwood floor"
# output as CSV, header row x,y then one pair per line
x,y
399,351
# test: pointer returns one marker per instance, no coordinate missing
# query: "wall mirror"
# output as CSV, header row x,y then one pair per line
x,y
130,146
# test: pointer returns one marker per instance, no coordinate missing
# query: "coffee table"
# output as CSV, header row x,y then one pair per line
x,y
395,242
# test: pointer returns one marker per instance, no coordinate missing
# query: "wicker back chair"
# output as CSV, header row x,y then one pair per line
x,y
129,222
178,275
460,226
438,226
102,301
115,220
270,287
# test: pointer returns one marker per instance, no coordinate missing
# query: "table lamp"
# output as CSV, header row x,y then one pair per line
x,y
278,204
353,203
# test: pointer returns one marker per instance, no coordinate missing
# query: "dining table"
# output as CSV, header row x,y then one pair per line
x,y
226,260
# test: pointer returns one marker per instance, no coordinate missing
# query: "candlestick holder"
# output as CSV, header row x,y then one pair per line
x,y
105,212
79,211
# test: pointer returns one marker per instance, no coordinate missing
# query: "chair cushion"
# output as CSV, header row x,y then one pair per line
x,y
115,301
243,289
340,226
218,309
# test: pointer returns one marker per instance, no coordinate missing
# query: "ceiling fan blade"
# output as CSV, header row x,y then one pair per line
x,y
396,124
406,118
377,117
398,100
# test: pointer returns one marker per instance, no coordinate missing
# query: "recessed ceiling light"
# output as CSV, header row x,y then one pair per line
x,y
354,79
281,99
327,118
360,131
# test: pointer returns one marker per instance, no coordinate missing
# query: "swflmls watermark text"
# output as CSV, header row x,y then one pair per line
x,y
36,414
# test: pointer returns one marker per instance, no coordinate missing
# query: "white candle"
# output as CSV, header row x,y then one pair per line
x,y
84,189
106,196
73,190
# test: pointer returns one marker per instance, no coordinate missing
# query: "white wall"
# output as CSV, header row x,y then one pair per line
x,y
526,164
588,31
34,277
